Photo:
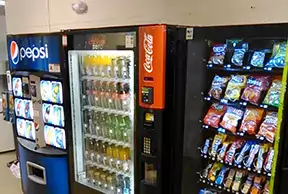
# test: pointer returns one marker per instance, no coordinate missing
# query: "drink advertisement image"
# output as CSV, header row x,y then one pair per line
x,y
51,91
23,108
53,114
25,128
55,137
17,87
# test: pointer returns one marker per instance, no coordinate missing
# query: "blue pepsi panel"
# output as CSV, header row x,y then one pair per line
x,y
37,53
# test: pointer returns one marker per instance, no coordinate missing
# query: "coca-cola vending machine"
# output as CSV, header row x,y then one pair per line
x,y
123,95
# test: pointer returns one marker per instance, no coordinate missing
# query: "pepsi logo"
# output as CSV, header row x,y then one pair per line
x,y
14,52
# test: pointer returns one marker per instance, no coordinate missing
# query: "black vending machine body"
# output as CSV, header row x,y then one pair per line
x,y
233,141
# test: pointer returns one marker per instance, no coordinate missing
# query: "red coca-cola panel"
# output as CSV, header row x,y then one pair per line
x,y
152,60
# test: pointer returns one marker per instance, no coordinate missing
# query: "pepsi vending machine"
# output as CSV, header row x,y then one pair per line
x,y
39,128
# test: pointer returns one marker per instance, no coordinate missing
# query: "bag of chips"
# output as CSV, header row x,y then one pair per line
x,y
278,55
234,87
251,120
269,126
214,114
231,119
238,55
254,88
273,96
219,83
258,58
218,54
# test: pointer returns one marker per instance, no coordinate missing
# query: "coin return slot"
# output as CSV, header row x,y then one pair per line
x,y
150,173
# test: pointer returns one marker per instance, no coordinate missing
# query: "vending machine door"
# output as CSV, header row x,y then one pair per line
x,y
102,113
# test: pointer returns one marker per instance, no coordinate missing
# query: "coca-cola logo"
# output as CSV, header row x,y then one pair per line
x,y
148,48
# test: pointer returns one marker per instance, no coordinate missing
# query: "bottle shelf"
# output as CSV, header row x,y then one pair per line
x,y
107,140
205,156
108,110
108,79
113,170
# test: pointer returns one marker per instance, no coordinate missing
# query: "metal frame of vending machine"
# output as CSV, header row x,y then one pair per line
x,y
159,63
194,145
35,62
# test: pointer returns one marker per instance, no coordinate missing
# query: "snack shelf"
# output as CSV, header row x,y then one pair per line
x,y
107,140
224,131
108,79
245,69
108,110
112,170
205,156
241,104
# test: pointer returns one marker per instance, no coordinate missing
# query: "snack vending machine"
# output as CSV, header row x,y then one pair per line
x,y
39,127
235,135
122,93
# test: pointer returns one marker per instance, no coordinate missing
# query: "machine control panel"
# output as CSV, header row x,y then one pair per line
x,y
147,95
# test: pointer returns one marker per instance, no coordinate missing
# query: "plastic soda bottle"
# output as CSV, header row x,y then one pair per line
x,y
126,189
127,129
116,156
96,176
124,157
86,65
111,127
104,126
109,153
103,152
119,184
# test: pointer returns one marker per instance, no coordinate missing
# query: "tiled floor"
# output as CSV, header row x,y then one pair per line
x,y
8,183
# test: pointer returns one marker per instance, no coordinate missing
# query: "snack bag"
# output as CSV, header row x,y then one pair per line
x,y
238,180
230,154
231,118
267,187
254,88
247,185
238,55
206,146
278,55
253,151
260,158
258,58
269,160
251,120
218,54
214,170
221,176
234,87
206,170
230,177
223,149
218,139
218,85
273,96
269,126
214,114
243,152
256,188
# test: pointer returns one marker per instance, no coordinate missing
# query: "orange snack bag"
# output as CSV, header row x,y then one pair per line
x,y
214,114
251,120
269,126
231,119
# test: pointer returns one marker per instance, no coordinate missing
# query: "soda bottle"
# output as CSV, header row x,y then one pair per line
x,y
85,120
94,65
126,189
103,152
111,181
89,173
104,90
116,156
104,126
111,127
116,96
109,152
105,64
87,147
111,101
89,92
97,172
99,153
120,128
125,96
85,93
102,65
127,129
86,65
97,147
97,123
97,97
90,122
119,184
110,67
116,71
123,66
124,157
103,177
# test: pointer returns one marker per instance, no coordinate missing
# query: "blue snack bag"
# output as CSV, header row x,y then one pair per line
x,y
278,55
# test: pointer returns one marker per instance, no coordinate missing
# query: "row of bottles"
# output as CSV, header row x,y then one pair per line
x,y
113,95
112,156
107,125
109,181
106,66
